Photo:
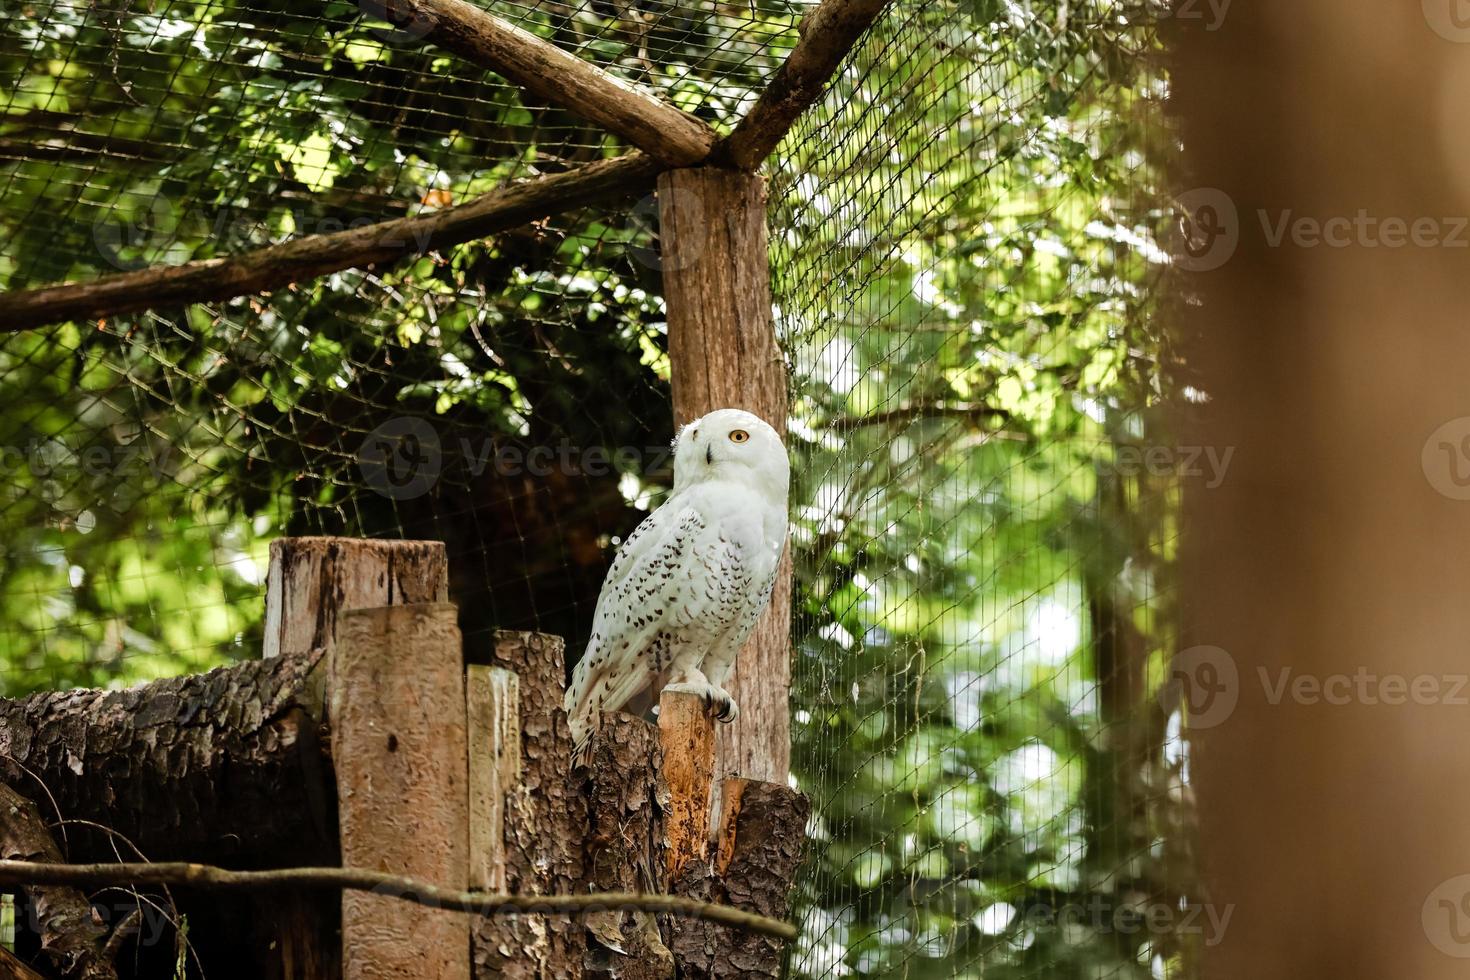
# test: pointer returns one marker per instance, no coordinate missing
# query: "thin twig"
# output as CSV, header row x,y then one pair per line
x,y
124,929
912,413
389,886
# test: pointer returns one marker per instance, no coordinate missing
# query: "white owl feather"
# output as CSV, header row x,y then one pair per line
x,y
688,585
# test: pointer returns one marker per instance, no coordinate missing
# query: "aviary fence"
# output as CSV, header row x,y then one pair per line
x,y
412,271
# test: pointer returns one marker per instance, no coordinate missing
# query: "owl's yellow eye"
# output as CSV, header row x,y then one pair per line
x,y
739,435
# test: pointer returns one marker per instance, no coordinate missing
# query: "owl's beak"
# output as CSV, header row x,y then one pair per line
x,y
709,455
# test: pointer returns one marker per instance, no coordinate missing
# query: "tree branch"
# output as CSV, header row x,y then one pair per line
x,y
659,129
316,255
827,35
923,410
391,886
70,935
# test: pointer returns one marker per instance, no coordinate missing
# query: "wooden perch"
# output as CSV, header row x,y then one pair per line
x,y
423,893
557,77
646,785
316,255
72,938
828,33
686,733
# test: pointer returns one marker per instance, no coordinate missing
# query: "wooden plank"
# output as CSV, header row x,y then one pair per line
x,y
723,354
686,732
554,76
493,696
828,33
399,745
313,580
301,259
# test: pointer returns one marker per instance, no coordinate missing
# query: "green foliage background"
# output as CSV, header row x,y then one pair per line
x,y
965,245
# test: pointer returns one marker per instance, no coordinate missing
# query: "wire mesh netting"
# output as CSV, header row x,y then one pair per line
x,y
966,280
965,266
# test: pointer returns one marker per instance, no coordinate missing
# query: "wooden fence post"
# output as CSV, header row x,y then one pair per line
x,y
723,354
399,744
311,581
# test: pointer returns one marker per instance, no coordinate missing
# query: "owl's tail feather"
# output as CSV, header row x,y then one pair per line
x,y
580,722
582,751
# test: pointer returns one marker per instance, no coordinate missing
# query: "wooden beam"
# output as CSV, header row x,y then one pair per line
x,y
398,731
828,33
723,354
494,716
557,77
315,255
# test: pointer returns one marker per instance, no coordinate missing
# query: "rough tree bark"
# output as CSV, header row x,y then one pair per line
x,y
545,819
625,849
761,843
224,767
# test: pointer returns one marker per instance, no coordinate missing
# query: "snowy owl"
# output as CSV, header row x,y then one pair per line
x,y
688,585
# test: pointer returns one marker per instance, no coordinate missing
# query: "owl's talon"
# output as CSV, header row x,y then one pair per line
x,y
717,700
729,711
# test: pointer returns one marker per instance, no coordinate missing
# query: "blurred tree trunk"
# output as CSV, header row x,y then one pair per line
x,y
1334,548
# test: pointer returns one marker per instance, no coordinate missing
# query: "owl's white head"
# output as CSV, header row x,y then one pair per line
x,y
731,444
